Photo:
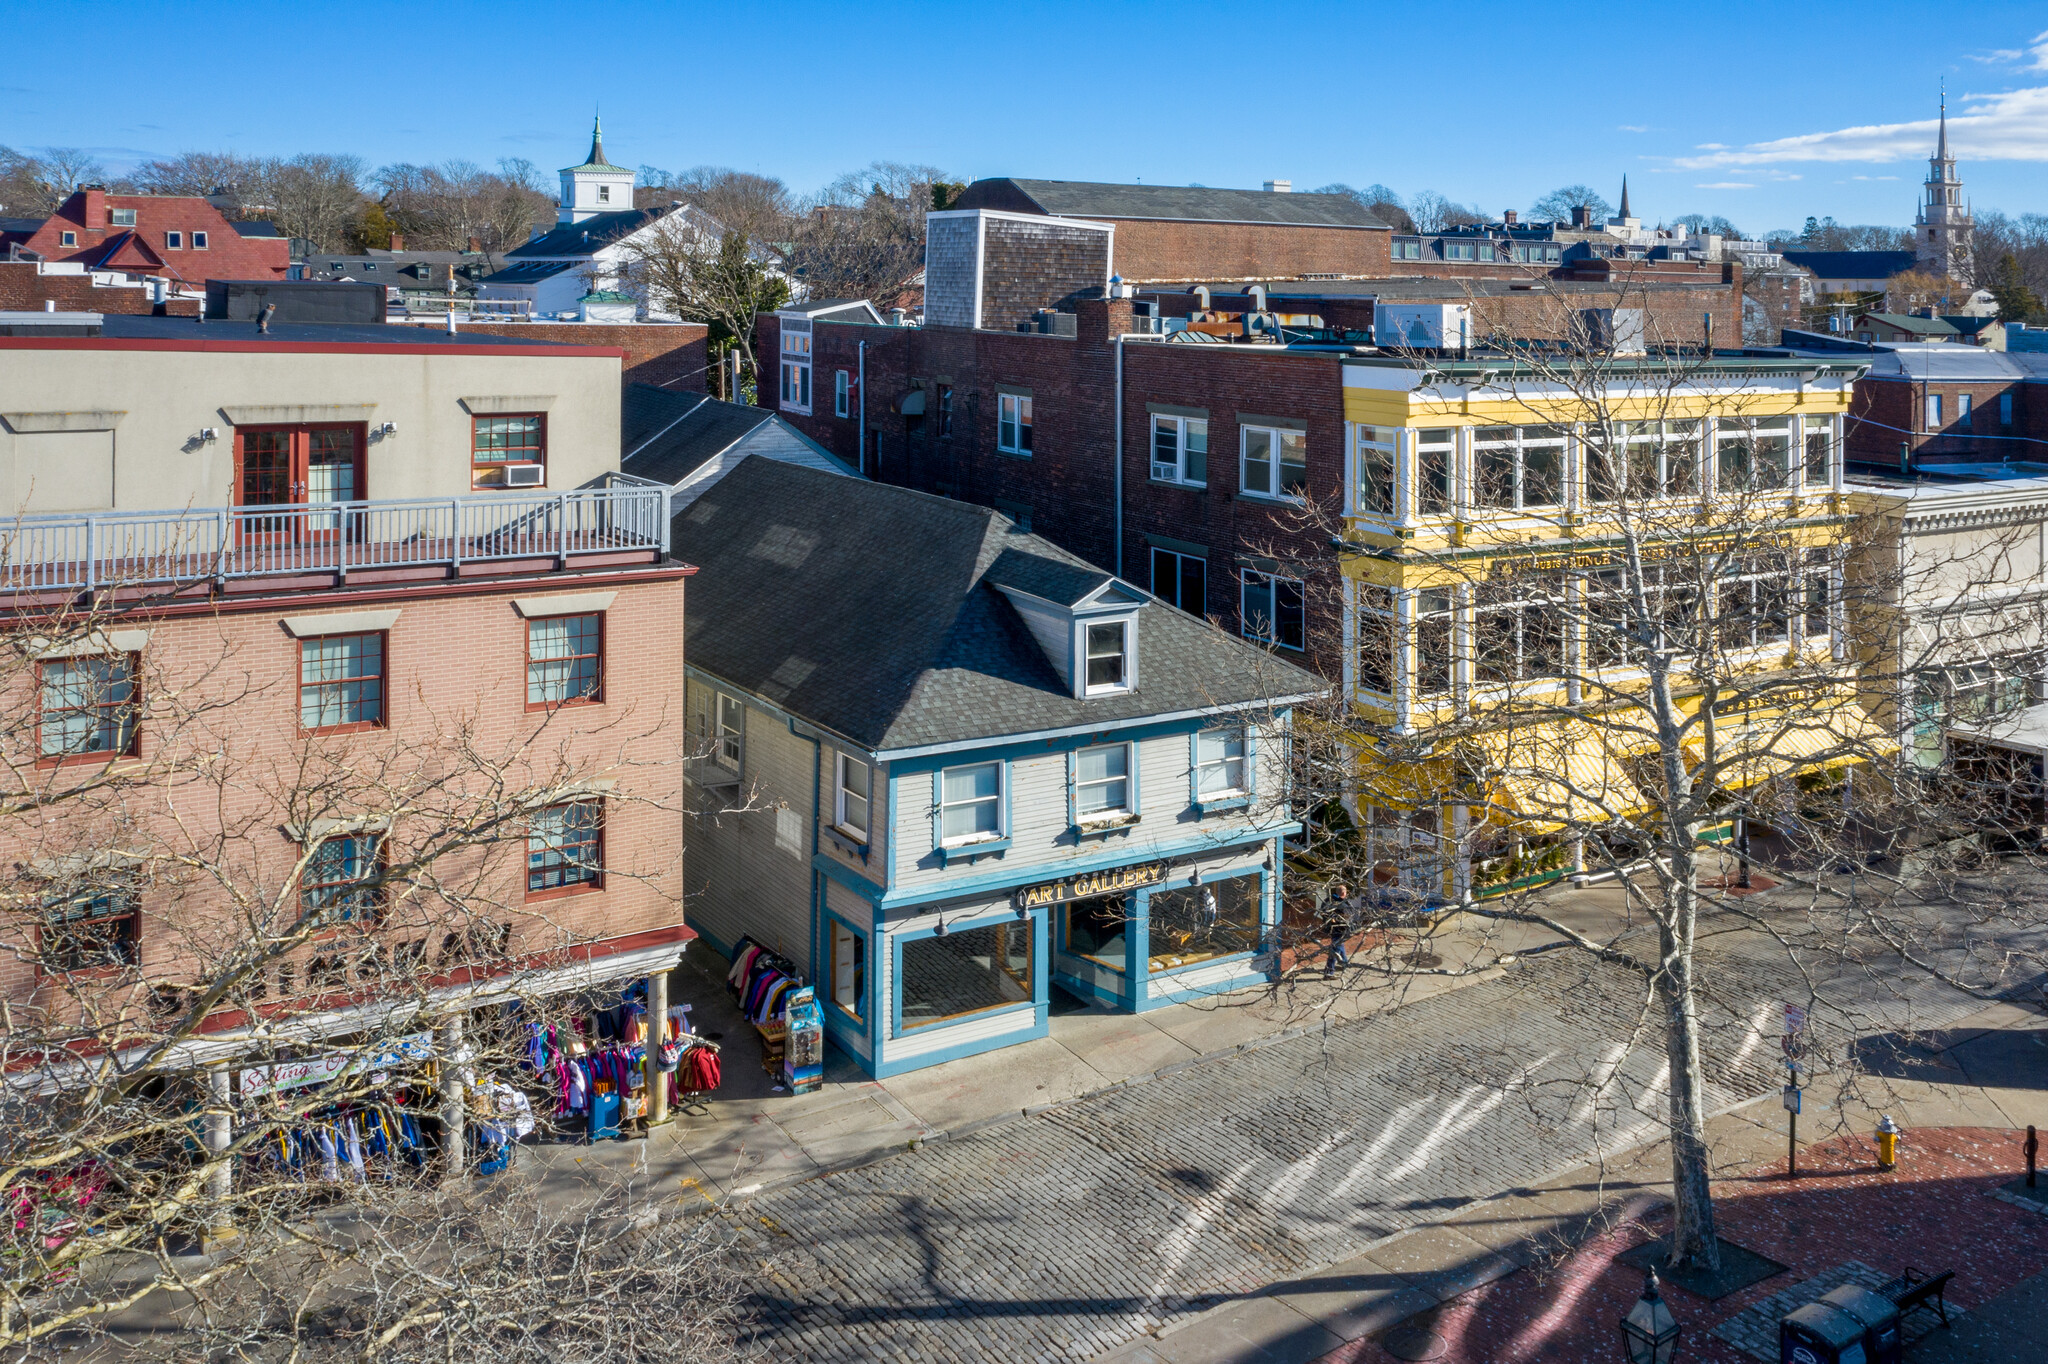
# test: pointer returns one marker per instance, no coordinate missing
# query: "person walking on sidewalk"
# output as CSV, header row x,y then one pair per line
x,y
1337,923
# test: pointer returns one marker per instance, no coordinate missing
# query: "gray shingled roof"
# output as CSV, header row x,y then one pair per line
x,y
584,238
667,436
1176,203
871,610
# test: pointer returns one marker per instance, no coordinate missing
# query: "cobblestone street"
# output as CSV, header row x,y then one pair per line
x,y
1061,1235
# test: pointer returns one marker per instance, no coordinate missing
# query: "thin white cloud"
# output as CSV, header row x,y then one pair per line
x,y
2008,127
1726,184
1632,128
2032,57
1712,147
1867,177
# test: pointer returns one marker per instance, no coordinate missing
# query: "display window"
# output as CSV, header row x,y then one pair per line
x,y
1193,924
965,971
1097,929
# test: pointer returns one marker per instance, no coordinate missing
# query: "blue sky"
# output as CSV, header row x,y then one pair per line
x,y
1763,112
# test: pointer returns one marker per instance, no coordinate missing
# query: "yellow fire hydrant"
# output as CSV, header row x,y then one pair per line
x,y
1887,1143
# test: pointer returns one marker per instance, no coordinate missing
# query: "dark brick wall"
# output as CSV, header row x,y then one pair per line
x,y
1884,412
1148,251
23,290
671,355
1067,486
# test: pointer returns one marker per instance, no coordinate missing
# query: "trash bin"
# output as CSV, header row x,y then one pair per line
x,y
1850,1325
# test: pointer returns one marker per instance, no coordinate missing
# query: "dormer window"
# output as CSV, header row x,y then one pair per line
x,y
121,217
1109,657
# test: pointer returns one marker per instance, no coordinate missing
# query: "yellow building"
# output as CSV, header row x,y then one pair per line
x,y
1491,502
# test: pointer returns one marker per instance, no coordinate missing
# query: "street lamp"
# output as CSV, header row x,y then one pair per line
x,y
1649,1333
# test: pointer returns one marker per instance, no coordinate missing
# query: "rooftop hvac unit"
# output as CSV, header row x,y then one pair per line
x,y
1422,326
525,475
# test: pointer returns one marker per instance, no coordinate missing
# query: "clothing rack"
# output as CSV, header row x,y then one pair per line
x,y
761,979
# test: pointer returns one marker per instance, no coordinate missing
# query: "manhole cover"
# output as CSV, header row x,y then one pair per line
x,y
1414,1342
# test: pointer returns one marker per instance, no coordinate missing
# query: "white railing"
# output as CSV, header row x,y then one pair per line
x,y
108,549
507,309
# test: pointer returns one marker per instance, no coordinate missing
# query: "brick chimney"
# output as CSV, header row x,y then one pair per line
x,y
95,207
1507,215
1582,217
398,241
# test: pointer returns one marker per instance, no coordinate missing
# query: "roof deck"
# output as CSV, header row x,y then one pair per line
x,y
253,549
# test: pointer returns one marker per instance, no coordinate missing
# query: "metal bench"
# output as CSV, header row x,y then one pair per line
x,y
1914,1291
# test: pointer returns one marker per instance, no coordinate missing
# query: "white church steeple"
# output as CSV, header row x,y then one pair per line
x,y
596,186
1944,231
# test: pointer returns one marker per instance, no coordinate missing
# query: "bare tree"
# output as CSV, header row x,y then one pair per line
x,y
201,174
198,906
680,269
33,186
1557,205
1628,622
315,196
1432,212
863,235
739,201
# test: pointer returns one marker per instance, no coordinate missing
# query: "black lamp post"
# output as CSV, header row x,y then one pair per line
x,y
1649,1333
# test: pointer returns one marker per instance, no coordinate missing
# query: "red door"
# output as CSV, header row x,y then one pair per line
x,y
297,467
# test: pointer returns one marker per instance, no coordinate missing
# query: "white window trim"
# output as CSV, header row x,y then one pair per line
x,y
1273,464
1130,629
842,392
1014,402
1002,800
174,241
839,793
200,241
1244,765
1179,467
1122,814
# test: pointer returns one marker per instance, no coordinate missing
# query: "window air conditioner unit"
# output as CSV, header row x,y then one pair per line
x,y
525,475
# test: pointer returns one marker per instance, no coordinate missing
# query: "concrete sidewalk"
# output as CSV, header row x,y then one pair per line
x,y
750,1135
1990,1070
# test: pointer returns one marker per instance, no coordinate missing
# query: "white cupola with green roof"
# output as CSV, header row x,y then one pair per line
x,y
596,186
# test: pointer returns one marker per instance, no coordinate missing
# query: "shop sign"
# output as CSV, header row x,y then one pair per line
x,y
315,1070
1094,883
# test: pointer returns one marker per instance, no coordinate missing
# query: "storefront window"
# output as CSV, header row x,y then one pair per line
x,y
1095,929
965,972
1191,924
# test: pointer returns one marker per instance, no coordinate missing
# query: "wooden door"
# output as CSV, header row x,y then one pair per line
x,y
285,467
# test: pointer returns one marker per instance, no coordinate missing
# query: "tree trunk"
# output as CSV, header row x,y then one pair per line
x,y
1693,1238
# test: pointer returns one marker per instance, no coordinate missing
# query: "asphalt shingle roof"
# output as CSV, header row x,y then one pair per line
x,y
667,436
872,610
584,238
1176,203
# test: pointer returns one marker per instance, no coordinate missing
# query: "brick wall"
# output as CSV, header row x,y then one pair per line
x,y
1149,250
1067,487
455,665
24,289
671,355
1884,412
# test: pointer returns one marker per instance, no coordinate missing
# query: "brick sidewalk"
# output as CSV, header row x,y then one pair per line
x,y
1935,1212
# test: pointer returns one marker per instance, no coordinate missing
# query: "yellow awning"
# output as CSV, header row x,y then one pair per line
x,y
1548,775
1754,749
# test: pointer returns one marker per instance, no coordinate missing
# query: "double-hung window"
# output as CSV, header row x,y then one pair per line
x,y
499,442
852,789
1753,599
343,879
1272,610
1641,459
1965,404
564,659
1934,412
1820,452
1434,637
796,367
121,217
1378,637
341,682
1109,662
1818,597
721,732
842,393
1436,455
971,803
1753,453
1180,450
1102,782
98,927
1518,467
88,707
1013,423
1181,580
1273,462
1375,470
1220,764
565,848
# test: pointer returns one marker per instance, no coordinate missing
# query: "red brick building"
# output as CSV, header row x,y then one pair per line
x,y
1935,403
183,239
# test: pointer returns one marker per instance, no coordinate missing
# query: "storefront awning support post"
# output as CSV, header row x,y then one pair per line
x,y
454,1153
219,1136
657,1033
